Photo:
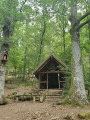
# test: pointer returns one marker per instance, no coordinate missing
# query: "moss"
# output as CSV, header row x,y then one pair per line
x,y
71,91
69,99
25,98
85,116
14,93
12,96
72,102
72,97
66,100
3,101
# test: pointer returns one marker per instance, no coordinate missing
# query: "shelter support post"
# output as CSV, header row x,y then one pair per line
x,y
39,80
59,80
47,80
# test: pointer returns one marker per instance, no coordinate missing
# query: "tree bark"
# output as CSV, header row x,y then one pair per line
x,y
7,32
89,44
77,91
2,81
88,9
78,81
5,47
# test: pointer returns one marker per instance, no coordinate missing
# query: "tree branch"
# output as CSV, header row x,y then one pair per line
x,y
81,18
84,23
23,5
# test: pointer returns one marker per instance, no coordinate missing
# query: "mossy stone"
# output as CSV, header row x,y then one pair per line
x,y
3,101
85,116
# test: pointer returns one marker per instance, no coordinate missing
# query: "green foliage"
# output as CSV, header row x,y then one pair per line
x,y
85,116
27,24
68,117
3,101
17,82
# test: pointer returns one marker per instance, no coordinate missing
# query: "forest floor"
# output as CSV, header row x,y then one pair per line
x,y
29,110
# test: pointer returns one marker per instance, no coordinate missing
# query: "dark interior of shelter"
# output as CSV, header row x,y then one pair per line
x,y
52,81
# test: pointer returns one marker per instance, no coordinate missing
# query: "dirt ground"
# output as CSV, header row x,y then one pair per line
x,y
28,110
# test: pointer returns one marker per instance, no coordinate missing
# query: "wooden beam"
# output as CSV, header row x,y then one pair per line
x,y
47,80
52,72
39,80
59,80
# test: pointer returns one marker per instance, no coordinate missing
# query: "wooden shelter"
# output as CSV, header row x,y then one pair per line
x,y
49,74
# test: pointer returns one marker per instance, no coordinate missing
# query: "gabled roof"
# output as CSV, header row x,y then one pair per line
x,y
59,62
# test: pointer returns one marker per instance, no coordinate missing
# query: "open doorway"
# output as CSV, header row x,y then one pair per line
x,y
53,81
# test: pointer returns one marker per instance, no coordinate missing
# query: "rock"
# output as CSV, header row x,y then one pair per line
x,y
41,99
3,101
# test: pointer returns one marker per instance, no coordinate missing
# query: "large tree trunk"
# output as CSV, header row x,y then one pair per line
x,y
88,6
7,32
4,49
2,81
77,92
89,44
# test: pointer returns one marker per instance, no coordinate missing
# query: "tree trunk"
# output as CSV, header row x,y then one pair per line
x,y
41,43
7,32
24,67
77,92
2,81
64,40
88,9
4,47
15,72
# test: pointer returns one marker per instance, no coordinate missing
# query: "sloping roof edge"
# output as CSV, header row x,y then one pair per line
x,y
46,61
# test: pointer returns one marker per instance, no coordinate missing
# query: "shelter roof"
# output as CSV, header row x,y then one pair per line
x,y
51,57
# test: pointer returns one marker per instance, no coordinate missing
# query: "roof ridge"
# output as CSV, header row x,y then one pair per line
x,y
46,61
